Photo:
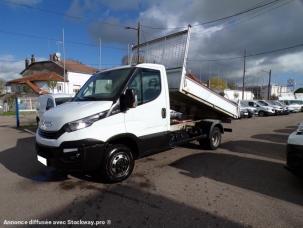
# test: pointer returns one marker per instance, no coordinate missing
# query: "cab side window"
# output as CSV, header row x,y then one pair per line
x,y
147,85
49,104
151,83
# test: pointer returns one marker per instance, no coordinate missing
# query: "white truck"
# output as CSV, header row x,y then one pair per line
x,y
129,112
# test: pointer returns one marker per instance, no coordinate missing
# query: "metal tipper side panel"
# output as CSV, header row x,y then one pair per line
x,y
172,51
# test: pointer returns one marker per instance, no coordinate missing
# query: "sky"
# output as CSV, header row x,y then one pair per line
x,y
36,26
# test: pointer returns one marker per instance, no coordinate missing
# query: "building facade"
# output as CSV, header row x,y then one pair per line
x,y
261,92
51,76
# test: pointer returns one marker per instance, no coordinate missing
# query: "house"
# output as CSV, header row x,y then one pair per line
x,y
40,77
236,95
299,94
261,92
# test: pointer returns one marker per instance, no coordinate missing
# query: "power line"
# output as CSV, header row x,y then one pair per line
x,y
250,55
258,6
58,13
40,9
256,14
219,19
58,40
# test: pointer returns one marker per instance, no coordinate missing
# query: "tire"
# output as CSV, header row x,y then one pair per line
x,y
213,141
117,164
261,113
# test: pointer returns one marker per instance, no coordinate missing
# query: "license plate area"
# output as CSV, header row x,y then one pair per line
x,y
42,160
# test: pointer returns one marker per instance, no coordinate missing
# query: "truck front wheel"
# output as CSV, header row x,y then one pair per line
x,y
118,163
213,141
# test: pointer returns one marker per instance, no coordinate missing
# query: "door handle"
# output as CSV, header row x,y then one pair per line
x,y
163,113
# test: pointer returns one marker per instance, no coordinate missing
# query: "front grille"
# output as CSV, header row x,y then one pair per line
x,y
50,134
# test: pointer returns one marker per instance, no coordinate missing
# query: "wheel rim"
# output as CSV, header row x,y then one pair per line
x,y
215,139
119,165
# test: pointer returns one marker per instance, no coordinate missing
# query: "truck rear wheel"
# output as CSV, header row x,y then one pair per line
x,y
213,141
118,163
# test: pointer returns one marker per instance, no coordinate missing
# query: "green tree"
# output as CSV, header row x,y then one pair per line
x,y
218,83
232,85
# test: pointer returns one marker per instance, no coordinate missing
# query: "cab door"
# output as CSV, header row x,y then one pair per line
x,y
149,120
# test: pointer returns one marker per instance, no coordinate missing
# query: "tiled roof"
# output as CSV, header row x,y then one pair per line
x,y
41,76
35,88
74,66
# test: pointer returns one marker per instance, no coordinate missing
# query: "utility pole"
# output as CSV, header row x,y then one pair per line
x,y
269,82
244,70
99,54
63,47
138,28
138,41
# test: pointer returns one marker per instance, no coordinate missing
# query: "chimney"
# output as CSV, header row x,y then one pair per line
x,y
33,59
26,63
51,57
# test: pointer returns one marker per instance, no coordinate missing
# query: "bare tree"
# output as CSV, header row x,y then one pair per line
x,y
2,86
52,85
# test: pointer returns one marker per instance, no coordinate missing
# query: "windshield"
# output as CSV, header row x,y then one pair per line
x,y
295,102
244,104
104,86
263,103
271,102
62,100
278,103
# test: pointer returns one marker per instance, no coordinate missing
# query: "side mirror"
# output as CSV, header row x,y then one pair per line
x,y
128,100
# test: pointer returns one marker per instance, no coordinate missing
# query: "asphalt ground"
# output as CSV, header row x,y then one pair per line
x,y
244,183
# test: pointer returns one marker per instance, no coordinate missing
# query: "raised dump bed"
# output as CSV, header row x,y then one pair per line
x,y
197,100
187,95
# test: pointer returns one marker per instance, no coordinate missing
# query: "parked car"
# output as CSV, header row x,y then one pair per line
x,y
294,155
278,110
49,101
251,111
263,110
282,107
243,112
293,105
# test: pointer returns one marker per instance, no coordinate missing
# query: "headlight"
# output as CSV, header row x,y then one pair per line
x,y
85,122
300,129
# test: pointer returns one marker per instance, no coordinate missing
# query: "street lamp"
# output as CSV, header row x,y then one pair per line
x,y
138,38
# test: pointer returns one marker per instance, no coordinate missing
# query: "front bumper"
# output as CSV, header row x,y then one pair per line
x,y
294,158
73,156
270,113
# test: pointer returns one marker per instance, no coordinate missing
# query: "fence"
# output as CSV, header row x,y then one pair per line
x,y
26,110
27,104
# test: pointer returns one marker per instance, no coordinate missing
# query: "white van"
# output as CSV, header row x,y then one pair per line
x,y
49,101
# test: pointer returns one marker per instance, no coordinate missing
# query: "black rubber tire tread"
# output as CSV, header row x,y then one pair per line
x,y
207,143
